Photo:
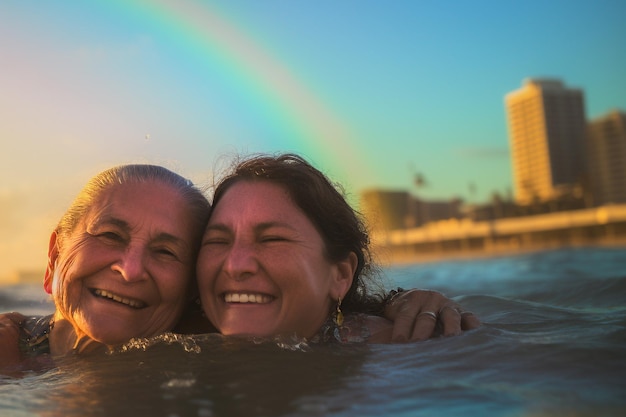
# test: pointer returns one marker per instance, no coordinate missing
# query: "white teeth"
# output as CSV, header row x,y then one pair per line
x,y
114,297
247,298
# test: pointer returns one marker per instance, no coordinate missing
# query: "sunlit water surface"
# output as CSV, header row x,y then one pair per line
x,y
553,342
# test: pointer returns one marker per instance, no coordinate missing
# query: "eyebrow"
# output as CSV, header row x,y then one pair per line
x,y
221,227
123,224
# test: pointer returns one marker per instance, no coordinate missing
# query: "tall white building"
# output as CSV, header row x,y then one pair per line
x,y
547,138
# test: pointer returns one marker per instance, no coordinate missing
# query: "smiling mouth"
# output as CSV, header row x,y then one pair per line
x,y
118,299
247,298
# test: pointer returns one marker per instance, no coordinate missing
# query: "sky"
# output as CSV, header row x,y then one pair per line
x,y
371,92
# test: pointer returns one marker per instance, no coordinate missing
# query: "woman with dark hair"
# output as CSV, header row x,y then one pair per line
x,y
284,253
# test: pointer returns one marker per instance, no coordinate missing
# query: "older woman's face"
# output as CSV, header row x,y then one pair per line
x,y
262,268
125,270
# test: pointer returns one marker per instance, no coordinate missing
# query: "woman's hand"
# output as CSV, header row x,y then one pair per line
x,y
9,339
420,314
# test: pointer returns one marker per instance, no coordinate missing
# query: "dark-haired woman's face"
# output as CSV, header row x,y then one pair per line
x,y
262,268
125,270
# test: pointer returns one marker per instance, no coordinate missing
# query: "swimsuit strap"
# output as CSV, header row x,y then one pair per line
x,y
34,334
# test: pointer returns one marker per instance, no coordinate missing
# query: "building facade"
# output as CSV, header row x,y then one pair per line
x,y
606,150
387,209
547,138
391,209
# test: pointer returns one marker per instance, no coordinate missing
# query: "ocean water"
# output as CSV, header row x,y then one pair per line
x,y
552,343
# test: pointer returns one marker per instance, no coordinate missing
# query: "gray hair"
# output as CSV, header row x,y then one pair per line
x,y
133,173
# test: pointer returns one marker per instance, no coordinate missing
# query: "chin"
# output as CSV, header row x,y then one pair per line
x,y
246,331
111,338
110,335
248,325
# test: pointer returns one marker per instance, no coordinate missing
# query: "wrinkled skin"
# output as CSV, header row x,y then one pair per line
x,y
126,269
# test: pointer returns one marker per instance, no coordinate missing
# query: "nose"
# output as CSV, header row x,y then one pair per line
x,y
131,264
241,260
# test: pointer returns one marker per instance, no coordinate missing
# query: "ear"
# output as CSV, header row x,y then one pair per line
x,y
344,277
53,254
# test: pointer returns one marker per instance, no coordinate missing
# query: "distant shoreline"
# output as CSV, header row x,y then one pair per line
x,y
388,259
466,238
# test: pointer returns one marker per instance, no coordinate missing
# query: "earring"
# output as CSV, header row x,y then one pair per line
x,y
338,316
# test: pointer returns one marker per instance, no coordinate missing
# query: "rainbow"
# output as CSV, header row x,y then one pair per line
x,y
269,86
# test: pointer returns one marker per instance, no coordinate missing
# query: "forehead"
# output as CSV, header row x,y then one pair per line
x,y
145,202
256,205
257,200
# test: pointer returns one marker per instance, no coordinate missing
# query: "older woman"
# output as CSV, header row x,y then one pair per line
x,y
120,264
284,254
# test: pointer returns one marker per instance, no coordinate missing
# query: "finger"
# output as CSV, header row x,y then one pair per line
x,y
451,320
407,310
469,321
425,325
404,314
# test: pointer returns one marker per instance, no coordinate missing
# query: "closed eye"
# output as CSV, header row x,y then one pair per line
x,y
166,252
215,240
217,235
110,236
273,239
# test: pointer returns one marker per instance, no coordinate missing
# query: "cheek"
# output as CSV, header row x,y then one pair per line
x,y
208,266
174,286
67,273
81,259
314,274
66,291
